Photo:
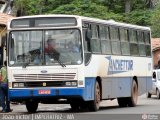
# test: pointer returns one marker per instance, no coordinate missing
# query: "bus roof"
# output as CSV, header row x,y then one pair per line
x,y
100,21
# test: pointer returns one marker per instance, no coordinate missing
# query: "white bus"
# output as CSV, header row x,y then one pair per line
x,y
110,60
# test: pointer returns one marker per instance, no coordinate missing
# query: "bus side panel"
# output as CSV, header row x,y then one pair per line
x,y
121,87
144,84
89,88
149,83
116,87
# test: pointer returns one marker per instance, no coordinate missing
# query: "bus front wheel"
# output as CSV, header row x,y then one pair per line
x,y
75,106
31,106
132,101
94,104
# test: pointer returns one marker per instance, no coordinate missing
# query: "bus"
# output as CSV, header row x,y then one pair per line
x,y
109,60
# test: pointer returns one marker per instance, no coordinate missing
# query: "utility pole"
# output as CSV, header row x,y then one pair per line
x,y
127,6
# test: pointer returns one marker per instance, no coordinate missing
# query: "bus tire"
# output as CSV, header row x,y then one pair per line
x,y
94,104
158,94
132,101
122,102
75,106
149,95
31,106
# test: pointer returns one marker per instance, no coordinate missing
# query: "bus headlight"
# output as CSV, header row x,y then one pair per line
x,y
15,85
74,83
68,83
18,85
21,84
71,83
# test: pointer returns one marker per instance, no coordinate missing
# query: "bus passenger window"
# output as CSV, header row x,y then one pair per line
x,y
87,48
115,42
141,45
95,42
86,41
147,42
105,42
133,43
124,41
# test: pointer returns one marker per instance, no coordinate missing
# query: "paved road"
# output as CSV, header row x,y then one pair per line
x,y
108,109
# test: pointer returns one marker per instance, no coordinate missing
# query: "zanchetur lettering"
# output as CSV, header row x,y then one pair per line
x,y
120,65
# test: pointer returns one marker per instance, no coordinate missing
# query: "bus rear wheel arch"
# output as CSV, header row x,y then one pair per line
x,y
95,104
132,100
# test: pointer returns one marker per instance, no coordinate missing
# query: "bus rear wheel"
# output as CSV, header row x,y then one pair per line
x,y
132,101
31,106
94,104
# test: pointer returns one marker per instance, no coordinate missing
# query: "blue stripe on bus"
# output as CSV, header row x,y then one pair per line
x,y
86,93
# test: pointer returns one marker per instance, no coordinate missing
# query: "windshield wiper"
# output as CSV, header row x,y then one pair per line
x,y
25,64
56,55
62,64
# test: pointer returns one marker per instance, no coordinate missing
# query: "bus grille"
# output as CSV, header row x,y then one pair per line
x,y
48,77
48,84
30,84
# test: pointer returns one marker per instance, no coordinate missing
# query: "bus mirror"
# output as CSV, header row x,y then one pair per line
x,y
88,35
154,75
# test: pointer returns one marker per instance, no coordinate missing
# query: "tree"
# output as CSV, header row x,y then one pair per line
x,y
139,17
155,22
21,7
130,11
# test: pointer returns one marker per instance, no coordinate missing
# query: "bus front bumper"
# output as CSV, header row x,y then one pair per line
x,y
49,93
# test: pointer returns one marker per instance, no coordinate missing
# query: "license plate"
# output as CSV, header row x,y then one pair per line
x,y
46,92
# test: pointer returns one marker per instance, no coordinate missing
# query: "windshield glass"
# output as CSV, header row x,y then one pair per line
x,y
49,47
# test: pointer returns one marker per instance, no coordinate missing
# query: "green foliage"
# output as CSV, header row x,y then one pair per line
x,y
140,13
89,9
81,8
139,17
155,20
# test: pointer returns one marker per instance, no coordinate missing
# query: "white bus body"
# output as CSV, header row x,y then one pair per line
x,y
97,73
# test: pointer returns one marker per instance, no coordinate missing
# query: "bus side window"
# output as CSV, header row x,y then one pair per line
x,y
147,43
87,46
105,41
141,43
95,40
125,47
115,41
134,50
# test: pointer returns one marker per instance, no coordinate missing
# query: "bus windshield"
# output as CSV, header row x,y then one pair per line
x,y
45,47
